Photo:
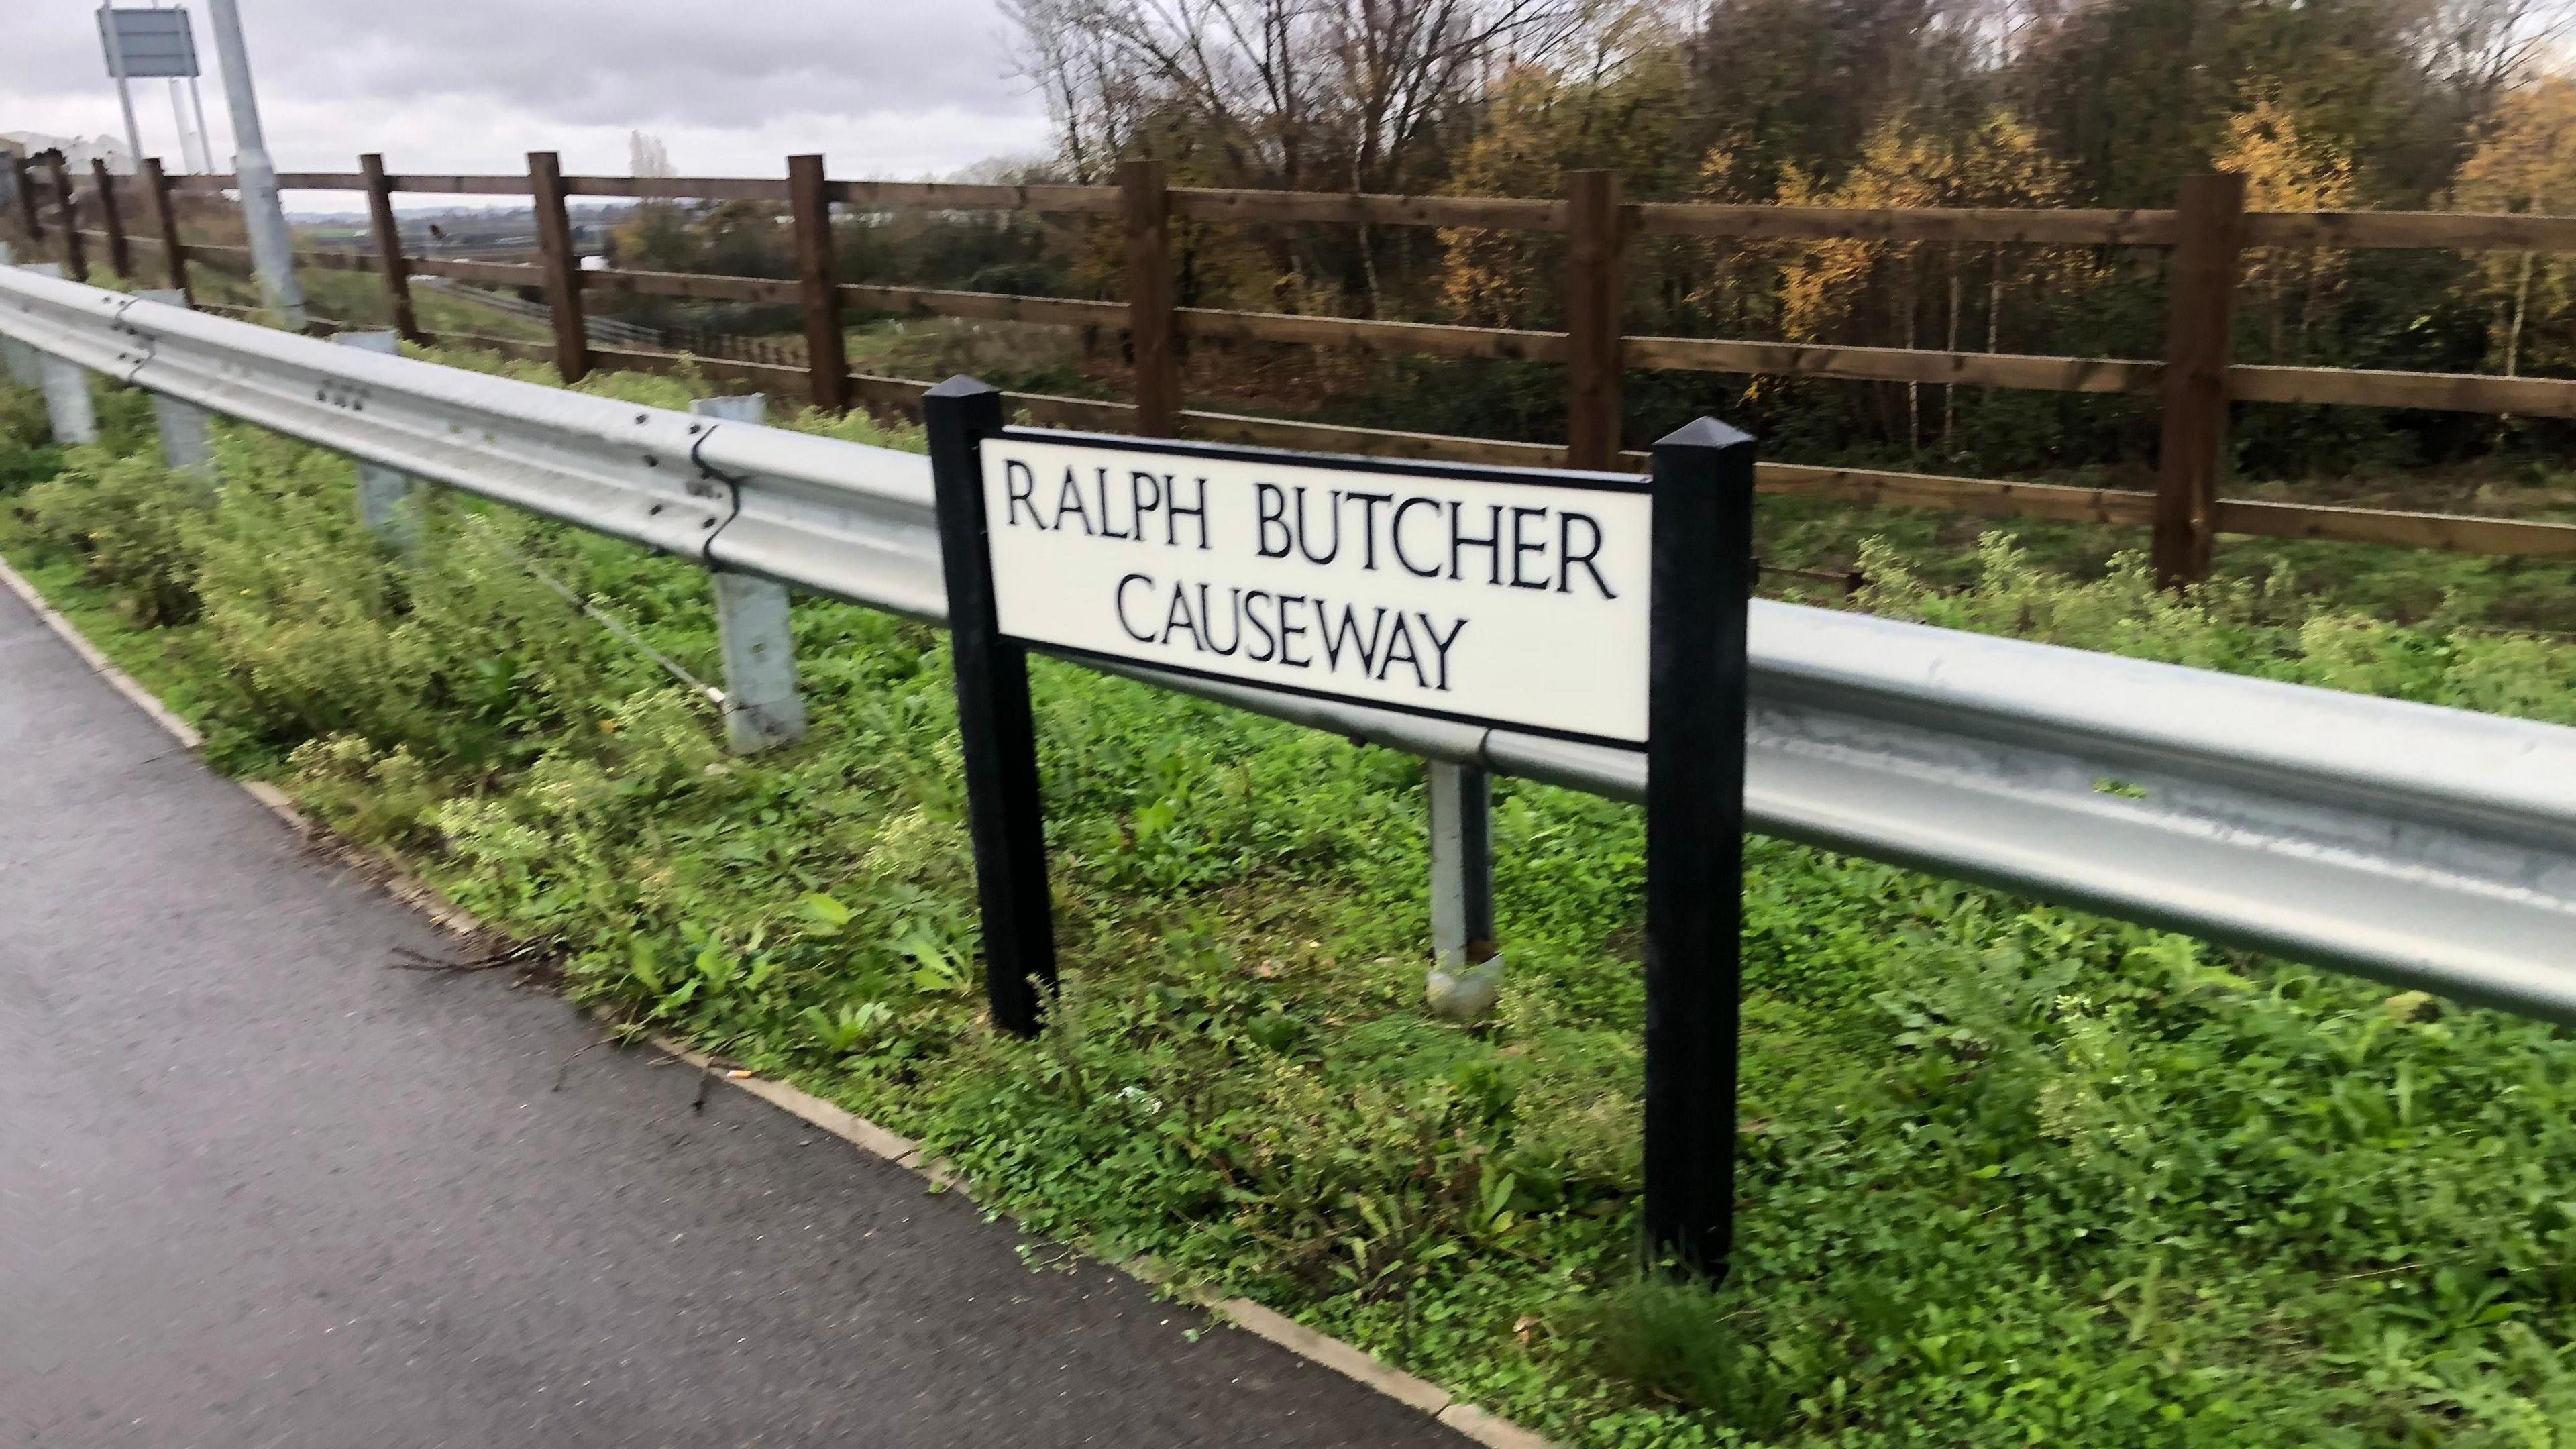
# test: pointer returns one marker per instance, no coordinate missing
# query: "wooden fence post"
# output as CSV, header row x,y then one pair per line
x,y
1148,212
120,257
24,180
174,253
2200,308
1594,233
74,260
561,267
389,252
809,197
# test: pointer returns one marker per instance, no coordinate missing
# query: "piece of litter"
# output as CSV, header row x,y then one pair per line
x,y
736,1075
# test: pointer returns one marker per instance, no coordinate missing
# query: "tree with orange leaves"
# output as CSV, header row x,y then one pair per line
x,y
2286,169
2527,165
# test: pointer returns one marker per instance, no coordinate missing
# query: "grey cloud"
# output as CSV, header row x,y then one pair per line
x,y
641,62
691,65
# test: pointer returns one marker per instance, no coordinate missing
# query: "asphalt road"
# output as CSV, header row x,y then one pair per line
x,y
257,1189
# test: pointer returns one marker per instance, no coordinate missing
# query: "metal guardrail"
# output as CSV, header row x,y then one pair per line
x,y
2425,847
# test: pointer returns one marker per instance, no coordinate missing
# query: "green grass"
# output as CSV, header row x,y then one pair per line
x,y
356,299
2535,594
2012,1174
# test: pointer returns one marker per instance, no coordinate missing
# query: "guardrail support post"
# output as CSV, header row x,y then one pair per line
x,y
69,209
762,709
1701,577
562,267
174,253
388,501
809,197
389,252
2200,310
1594,235
68,408
120,256
1148,213
17,355
187,431
1462,892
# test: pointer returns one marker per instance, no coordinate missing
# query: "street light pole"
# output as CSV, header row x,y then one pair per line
x,y
272,252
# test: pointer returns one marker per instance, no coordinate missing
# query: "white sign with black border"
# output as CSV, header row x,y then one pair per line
x,y
1504,596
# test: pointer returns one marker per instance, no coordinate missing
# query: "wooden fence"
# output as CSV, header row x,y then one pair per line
x,y
2207,232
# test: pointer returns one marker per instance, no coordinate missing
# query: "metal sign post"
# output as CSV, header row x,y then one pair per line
x,y
124,89
1703,579
1601,608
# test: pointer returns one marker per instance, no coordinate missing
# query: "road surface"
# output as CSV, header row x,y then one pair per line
x,y
257,1189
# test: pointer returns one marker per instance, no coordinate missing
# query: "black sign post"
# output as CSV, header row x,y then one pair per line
x,y
994,724
1703,576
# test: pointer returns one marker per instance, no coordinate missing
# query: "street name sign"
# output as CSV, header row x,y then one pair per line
x,y
1503,596
1590,606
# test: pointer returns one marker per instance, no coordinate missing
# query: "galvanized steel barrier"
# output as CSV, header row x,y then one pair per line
x,y
2425,847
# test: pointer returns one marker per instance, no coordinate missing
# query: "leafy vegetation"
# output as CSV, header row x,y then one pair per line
x,y
2320,104
2012,1173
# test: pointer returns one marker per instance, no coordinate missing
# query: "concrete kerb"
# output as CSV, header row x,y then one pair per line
x,y
936,1172
1492,1430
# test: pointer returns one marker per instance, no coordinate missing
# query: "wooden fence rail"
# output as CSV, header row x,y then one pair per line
x,y
1866,487
2443,392
2208,234
2335,230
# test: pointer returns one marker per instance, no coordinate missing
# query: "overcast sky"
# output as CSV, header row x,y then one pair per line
x,y
883,88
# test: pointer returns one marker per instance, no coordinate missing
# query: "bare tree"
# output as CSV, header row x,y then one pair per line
x,y
2473,51
2477,48
1291,93
1089,93
647,156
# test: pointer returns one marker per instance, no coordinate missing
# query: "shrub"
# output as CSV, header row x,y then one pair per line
x,y
131,523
